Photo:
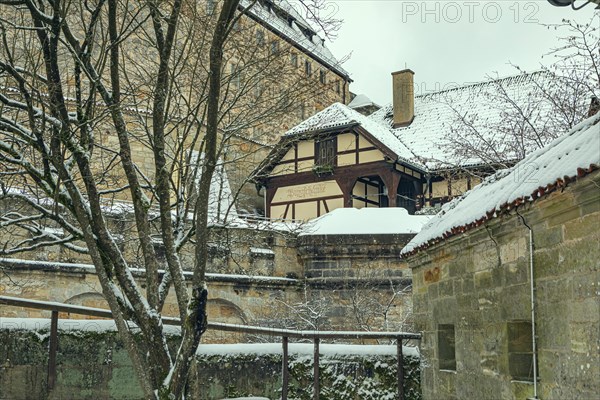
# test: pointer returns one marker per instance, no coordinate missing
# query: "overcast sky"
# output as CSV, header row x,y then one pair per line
x,y
443,42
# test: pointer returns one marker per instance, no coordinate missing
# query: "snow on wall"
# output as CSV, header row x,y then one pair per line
x,y
555,165
89,268
304,349
70,325
365,221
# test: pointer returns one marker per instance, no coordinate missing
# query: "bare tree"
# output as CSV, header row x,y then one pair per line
x,y
110,106
532,109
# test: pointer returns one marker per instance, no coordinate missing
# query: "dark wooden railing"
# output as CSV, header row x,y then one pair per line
x,y
285,334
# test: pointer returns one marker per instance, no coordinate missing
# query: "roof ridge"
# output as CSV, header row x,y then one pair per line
x,y
486,82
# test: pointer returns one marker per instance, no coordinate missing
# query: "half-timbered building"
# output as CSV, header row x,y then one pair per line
x,y
338,158
407,154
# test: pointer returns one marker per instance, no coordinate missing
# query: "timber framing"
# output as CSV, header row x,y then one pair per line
x,y
359,157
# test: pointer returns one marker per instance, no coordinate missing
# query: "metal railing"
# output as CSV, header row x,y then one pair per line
x,y
285,334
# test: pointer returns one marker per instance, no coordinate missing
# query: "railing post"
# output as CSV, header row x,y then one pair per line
x,y
284,369
316,388
53,346
400,369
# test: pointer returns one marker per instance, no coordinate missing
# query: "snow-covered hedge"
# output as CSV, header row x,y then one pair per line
x,y
347,372
93,363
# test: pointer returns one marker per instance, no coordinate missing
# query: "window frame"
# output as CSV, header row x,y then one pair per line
x,y
445,347
517,351
260,37
329,160
307,67
323,76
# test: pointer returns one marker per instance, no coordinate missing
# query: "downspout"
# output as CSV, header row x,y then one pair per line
x,y
532,296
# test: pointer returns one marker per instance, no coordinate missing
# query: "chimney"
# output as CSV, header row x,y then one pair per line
x,y
404,97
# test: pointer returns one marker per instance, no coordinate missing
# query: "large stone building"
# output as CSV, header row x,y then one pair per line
x,y
505,280
277,71
420,151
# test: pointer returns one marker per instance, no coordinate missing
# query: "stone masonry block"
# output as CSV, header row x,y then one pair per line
x,y
548,237
483,279
582,227
514,249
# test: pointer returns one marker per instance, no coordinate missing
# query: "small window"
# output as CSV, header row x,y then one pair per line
x,y
322,77
446,347
337,87
260,38
308,68
210,6
325,152
274,47
520,350
294,60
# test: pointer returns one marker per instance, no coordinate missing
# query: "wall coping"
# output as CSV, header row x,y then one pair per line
x,y
73,268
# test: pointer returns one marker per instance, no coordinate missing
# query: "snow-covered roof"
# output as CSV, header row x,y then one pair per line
x,y
432,141
365,221
433,135
554,166
338,115
221,206
361,100
289,23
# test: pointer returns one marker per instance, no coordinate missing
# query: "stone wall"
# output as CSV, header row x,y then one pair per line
x,y
92,364
478,284
361,278
236,299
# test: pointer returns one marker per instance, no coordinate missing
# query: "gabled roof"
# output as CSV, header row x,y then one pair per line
x,y
339,115
361,100
336,118
433,135
221,206
543,171
287,22
433,141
